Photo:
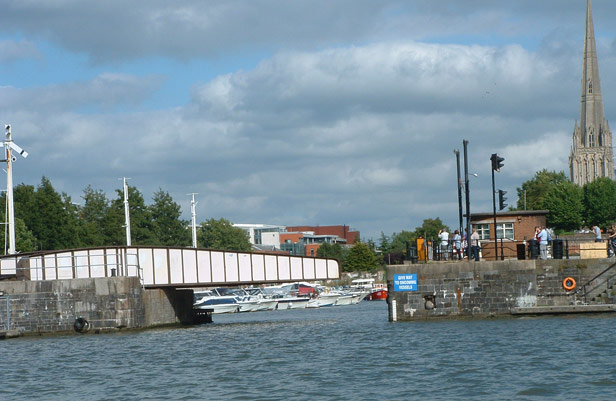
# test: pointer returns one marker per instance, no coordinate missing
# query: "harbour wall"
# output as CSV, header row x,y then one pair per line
x,y
106,304
487,288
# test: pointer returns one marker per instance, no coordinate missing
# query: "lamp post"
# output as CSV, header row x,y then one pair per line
x,y
468,199
457,153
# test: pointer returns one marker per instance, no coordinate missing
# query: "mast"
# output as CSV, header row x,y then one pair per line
x,y
10,146
193,212
126,214
9,191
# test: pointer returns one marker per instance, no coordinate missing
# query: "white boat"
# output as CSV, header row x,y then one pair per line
x,y
264,302
292,302
345,299
217,304
323,299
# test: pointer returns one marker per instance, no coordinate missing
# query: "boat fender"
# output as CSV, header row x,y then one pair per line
x,y
569,283
81,325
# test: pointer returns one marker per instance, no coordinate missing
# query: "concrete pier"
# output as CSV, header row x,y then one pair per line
x,y
501,288
102,304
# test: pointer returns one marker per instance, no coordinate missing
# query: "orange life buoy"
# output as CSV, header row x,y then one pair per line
x,y
569,283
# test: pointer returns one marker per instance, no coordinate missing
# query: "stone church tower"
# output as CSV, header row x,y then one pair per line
x,y
591,153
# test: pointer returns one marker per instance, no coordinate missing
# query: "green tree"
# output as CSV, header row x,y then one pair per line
x,y
24,201
399,241
140,219
537,188
25,241
169,229
564,200
384,243
430,228
92,216
360,258
335,251
54,223
220,234
599,205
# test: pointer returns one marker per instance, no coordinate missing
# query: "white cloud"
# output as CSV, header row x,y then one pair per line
x,y
360,131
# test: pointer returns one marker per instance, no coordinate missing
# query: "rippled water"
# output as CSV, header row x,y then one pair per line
x,y
341,353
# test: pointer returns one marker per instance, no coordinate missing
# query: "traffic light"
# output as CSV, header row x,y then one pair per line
x,y
497,162
501,199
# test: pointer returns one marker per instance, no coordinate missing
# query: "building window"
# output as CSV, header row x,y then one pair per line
x,y
483,230
504,230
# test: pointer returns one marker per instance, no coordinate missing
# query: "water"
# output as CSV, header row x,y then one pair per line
x,y
341,353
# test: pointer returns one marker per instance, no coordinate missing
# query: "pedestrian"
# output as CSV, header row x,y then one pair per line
x,y
475,244
443,235
457,244
543,238
597,232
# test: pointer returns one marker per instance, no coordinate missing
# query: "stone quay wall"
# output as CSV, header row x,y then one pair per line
x,y
488,288
107,304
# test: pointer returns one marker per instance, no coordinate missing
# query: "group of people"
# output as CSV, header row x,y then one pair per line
x,y
542,235
459,245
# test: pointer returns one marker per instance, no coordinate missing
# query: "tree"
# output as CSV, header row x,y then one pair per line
x,y
400,241
537,188
385,243
335,251
360,258
599,205
564,200
53,225
140,219
430,228
92,216
169,229
220,234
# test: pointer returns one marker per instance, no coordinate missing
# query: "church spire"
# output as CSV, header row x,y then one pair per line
x,y
591,154
592,103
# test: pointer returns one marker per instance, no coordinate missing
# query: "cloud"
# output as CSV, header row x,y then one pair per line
x,y
105,92
11,51
348,117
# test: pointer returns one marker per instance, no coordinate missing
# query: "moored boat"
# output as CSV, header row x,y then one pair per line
x,y
207,300
323,299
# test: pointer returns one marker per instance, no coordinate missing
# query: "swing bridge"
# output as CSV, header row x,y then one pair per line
x,y
168,267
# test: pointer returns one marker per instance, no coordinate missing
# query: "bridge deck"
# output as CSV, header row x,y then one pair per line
x,y
163,266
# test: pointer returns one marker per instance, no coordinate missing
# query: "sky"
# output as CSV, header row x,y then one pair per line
x,y
305,112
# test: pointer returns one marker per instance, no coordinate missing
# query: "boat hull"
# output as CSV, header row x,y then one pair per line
x,y
377,295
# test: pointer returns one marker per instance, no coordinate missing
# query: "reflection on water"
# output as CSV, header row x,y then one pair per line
x,y
340,353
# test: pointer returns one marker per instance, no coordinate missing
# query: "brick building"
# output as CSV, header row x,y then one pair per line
x,y
513,228
341,231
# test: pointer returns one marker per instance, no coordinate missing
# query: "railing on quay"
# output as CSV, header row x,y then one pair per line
x,y
595,284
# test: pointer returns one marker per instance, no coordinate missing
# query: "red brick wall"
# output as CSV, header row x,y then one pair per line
x,y
341,231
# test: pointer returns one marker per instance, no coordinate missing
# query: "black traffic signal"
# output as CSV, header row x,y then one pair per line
x,y
497,162
501,199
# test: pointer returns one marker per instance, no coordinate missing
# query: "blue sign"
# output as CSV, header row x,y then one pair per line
x,y
405,282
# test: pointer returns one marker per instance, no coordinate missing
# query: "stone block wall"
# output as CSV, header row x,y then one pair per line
x,y
487,288
32,307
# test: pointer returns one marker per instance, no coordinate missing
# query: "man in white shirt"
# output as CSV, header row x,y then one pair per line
x,y
543,238
443,235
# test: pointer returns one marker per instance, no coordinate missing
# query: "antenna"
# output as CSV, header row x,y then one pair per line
x,y
10,146
193,212
126,211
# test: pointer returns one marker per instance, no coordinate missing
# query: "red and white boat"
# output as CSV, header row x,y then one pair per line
x,y
379,293
376,292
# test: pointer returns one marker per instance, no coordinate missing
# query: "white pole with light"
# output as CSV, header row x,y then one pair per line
x,y
193,212
126,213
10,146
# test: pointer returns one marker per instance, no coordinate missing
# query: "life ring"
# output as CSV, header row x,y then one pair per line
x,y
569,283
